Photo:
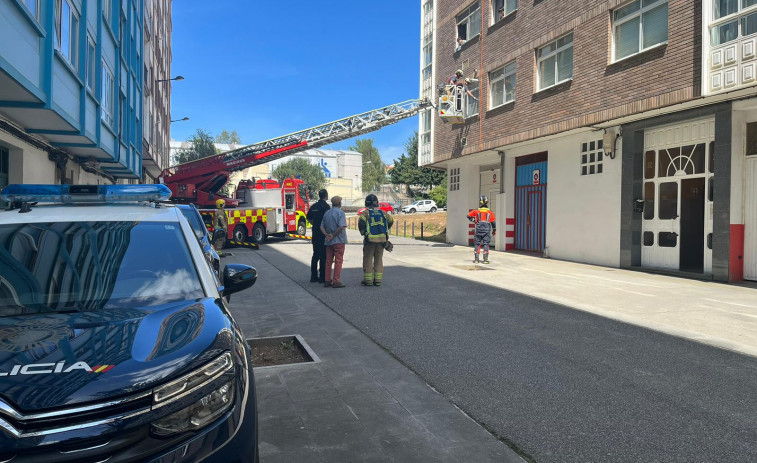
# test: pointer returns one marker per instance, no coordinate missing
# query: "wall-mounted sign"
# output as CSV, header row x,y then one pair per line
x,y
494,178
537,176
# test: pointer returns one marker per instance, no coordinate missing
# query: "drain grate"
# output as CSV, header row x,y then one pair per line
x,y
281,350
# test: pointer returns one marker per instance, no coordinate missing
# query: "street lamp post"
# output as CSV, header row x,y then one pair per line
x,y
179,120
167,80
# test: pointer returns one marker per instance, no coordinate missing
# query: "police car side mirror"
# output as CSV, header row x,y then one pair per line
x,y
238,277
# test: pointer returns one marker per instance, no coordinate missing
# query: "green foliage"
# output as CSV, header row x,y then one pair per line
x,y
406,169
201,146
310,173
439,194
374,170
231,138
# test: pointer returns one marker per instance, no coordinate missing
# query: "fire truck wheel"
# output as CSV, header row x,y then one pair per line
x,y
258,233
240,233
301,229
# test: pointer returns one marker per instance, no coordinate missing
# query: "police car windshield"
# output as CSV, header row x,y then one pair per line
x,y
89,266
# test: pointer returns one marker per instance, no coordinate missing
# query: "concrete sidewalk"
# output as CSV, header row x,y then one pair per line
x,y
721,315
358,404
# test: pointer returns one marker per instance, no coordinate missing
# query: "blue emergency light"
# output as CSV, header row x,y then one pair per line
x,y
84,193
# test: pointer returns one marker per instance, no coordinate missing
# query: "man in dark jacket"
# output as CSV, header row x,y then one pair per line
x,y
315,216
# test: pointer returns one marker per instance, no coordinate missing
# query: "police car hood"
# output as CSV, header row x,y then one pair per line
x,y
50,360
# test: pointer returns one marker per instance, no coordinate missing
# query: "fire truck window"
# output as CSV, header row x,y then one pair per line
x,y
290,201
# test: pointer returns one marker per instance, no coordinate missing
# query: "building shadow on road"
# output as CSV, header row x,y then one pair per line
x,y
559,383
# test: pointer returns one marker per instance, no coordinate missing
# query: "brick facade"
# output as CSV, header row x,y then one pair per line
x,y
599,91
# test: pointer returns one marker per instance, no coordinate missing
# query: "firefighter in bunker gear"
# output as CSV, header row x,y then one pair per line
x,y
221,225
374,225
485,224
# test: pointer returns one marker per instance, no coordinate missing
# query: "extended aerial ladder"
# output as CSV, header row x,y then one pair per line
x,y
199,181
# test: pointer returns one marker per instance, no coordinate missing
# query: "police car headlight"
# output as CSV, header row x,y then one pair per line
x,y
205,410
199,414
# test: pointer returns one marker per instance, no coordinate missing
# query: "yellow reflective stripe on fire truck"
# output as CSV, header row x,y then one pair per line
x,y
241,216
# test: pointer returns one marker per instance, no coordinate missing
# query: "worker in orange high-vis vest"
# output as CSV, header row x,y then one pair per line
x,y
485,224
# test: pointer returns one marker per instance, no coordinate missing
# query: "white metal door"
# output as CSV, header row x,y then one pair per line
x,y
489,187
750,220
673,154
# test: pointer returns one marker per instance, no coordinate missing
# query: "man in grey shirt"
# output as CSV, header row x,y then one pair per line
x,y
334,226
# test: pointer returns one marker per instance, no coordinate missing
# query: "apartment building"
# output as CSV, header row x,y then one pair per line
x,y
618,133
72,86
157,89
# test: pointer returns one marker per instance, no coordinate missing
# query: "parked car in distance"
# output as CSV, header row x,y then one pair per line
x,y
201,232
118,341
395,207
386,207
423,205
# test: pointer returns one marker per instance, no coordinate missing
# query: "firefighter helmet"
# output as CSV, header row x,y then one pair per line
x,y
483,201
459,72
220,203
371,201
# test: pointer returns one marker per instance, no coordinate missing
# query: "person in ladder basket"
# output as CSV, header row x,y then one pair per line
x,y
374,225
221,226
485,224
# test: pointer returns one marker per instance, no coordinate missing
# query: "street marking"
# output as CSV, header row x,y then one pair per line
x,y
732,303
635,292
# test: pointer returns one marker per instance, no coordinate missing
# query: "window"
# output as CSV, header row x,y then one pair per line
x,y
90,63
751,140
639,25
555,62
108,11
502,85
502,8
744,24
67,31
34,8
471,104
106,101
592,156
426,127
428,56
469,22
454,179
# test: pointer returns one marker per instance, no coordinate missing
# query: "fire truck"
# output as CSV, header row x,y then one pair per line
x,y
265,207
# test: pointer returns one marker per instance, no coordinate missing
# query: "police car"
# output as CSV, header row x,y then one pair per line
x,y
116,343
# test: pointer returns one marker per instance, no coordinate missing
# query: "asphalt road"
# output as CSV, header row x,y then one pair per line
x,y
557,384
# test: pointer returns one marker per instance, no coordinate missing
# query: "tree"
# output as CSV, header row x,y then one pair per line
x,y
439,194
201,146
407,171
229,138
310,173
374,170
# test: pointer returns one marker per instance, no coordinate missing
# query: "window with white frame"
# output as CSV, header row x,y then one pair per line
x,y
502,8
639,25
732,19
592,157
34,8
469,22
471,103
426,127
454,179
502,85
67,31
555,62
108,95
91,63
428,56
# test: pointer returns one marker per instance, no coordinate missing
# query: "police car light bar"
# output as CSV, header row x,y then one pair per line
x,y
84,193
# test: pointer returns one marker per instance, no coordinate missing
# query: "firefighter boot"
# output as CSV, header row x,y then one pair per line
x,y
486,257
475,258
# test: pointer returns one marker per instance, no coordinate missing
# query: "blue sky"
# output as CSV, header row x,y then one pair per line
x,y
269,68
